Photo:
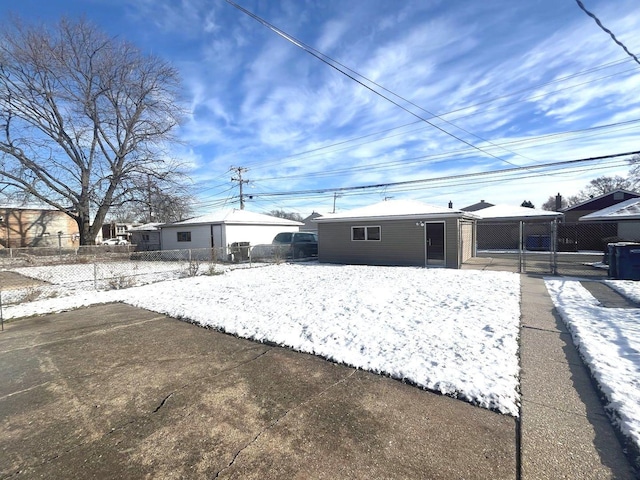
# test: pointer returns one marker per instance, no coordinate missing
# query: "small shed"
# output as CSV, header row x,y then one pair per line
x,y
146,237
626,215
397,232
223,229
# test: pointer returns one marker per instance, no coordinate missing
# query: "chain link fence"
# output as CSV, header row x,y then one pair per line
x,y
546,247
32,273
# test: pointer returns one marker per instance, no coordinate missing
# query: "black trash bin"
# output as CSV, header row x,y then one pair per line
x,y
628,261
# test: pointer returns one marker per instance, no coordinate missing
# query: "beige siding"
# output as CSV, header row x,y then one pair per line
x,y
37,228
402,243
466,240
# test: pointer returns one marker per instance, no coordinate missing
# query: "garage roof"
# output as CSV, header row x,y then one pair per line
x,y
234,216
627,210
394,210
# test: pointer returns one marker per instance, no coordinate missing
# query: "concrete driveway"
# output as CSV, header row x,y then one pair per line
x,y
113,391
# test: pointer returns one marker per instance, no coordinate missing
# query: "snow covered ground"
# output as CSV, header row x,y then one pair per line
x,y
451,331
608,340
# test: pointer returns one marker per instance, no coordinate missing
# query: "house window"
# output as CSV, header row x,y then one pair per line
x,y
145,237
184,236
365,233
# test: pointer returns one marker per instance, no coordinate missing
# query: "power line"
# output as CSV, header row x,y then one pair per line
x,y
611,34
322,57
460,176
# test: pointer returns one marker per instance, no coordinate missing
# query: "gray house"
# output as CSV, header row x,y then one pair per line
x,y
397,232
146,237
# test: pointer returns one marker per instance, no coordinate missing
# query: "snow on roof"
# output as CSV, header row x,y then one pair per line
x,y
146,227
511,212
27,206
627,210
394,209
237,217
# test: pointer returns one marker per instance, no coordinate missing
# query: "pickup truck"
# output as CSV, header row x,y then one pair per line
x,y
297,244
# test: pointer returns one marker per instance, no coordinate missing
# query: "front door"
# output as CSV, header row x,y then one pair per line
x,y
434,243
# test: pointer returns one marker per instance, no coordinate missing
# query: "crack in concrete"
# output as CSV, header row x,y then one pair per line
x,y
164,400
88,334
277,420
548,330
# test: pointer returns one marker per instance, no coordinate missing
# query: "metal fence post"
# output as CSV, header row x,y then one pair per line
x,y
1,315
520,249
554,247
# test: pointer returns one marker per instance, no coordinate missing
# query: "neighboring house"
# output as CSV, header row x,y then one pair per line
x,y
397,232
501,227
626,216
117,230
224,230
146,237
309,224
575,234
36,226
574,213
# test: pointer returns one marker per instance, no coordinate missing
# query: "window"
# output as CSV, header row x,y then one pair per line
x,y
145,237
305,237
365,233
184,236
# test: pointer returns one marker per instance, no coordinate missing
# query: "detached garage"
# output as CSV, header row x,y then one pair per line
x,y
222,229
397,232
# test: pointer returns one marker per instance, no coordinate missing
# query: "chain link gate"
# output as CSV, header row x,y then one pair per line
x,y
544,247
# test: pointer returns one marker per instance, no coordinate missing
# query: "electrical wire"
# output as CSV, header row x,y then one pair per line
x,y
611,34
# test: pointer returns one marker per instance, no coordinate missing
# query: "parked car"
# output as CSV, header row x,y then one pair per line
x,y
297,244
115,241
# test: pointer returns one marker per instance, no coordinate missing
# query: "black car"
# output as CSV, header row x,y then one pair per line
x,y
297,244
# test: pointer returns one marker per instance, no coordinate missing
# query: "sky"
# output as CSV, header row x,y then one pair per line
x,y
450,88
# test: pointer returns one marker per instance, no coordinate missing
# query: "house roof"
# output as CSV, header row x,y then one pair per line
x,y
581,205
627,210
508,212
477,206
234,216
27,206
394,210
147,227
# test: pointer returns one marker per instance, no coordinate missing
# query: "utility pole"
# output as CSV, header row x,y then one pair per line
x,y
335,195
238,178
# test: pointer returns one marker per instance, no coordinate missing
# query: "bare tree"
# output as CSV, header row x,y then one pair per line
x,y
296,217
601,185
84,119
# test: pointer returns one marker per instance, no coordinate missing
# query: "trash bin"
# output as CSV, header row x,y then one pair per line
x,y
611,260
628,261
538,242
239,251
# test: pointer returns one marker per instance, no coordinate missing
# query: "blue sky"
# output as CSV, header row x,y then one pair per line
x,y
512,83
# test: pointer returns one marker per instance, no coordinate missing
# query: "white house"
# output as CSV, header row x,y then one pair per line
x,y
223,229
